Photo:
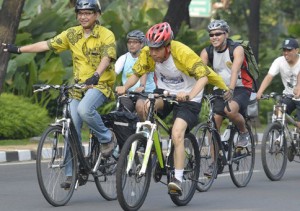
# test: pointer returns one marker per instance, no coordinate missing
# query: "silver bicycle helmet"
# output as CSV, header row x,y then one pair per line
x,y
137,35
218,24
88,5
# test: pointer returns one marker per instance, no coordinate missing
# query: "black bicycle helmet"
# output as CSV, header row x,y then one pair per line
x,y
218,24
88,5
137,35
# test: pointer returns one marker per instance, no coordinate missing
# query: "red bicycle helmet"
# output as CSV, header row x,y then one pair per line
x,y
159,35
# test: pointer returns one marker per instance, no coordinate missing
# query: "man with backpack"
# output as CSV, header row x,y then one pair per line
x,y
230,68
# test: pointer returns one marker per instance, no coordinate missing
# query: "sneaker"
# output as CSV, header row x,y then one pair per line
x,y
67,183
243,140
175,187
107,148
209,171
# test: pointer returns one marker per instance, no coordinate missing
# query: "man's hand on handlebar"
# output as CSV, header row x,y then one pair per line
x,y
228,95
182,97
120,90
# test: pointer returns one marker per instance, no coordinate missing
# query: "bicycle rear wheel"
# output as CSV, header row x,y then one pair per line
x,y
191,170
242,159
105,178
273,152
132,188
208,149
54,154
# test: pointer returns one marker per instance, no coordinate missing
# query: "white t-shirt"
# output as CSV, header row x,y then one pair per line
x,y
173,80
288,74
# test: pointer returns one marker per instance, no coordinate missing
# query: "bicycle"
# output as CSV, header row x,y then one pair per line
x,y
59,147
217,151
135,162
274,147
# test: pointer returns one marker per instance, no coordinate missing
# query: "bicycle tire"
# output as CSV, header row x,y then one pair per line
x,y
50,166
105,178
208,149
191,170
273,152
132,188
242,159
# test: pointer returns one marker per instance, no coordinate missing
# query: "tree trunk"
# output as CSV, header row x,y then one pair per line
x,y
10,15
253,24
177,13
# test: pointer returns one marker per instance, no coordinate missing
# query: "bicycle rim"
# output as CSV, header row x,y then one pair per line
x,y
51,163
273,152
191,171
132,188
242,160
105,178
208,152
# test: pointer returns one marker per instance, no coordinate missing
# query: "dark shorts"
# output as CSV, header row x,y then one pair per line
x,y
291,105
241,96
128,103
188,111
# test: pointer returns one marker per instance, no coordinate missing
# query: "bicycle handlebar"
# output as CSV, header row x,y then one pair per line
x,y
44,87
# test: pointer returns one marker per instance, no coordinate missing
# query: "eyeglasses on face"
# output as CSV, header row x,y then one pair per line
x,y
134,42
216,34
85,14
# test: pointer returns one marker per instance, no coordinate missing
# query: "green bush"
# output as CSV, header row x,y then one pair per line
x,y
19,118
265,110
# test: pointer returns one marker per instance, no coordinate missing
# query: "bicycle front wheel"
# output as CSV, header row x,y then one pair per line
x,y
55,160
191,170
273,152
208,149
132,187
241,159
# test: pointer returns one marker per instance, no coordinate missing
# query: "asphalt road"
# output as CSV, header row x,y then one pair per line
x,y
19,190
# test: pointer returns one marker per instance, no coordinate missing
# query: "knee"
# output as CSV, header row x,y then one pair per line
x,y
177,138
83,111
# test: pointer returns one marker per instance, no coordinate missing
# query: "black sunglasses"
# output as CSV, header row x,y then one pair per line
x,y
216,34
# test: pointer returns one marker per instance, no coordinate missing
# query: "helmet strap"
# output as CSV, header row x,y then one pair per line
x,y
167,52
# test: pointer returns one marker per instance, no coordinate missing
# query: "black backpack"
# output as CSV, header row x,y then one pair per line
x,y
251,68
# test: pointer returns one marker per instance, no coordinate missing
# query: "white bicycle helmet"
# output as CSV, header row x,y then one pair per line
x,y
218,24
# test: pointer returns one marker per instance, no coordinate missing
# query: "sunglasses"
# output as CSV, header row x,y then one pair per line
x,y
216,34
286,49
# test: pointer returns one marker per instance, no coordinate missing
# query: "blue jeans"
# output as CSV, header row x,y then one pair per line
x,y
85,110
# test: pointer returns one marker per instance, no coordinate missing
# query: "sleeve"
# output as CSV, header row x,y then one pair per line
x,y
109,43
274,69
60,42
119,65
144,64
216,80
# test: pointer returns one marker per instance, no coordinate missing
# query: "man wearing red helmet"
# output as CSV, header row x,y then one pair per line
x,y
180,71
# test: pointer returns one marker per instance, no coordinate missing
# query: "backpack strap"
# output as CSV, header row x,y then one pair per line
x,y
210,53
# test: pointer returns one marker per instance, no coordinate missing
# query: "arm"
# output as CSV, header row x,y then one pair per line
x,y
297,87
266,82
204,56
32,48
143,81
198,87
129,83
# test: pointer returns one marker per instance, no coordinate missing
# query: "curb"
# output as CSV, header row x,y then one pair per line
x,y
28,155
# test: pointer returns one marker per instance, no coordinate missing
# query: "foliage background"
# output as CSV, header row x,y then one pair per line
x,y
43,19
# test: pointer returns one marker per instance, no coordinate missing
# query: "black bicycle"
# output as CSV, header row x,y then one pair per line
x,y
59,148
281,141
217,151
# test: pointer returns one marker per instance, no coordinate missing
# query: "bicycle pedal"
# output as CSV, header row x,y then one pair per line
x,y
175,192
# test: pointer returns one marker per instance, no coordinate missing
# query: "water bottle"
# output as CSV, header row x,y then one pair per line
x,y
116,153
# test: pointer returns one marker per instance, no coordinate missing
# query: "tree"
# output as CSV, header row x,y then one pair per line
x,y
253,25
10,17
178,12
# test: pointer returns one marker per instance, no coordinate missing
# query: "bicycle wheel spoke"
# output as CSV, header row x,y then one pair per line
x,y
242,161
52,163
132,187
273,152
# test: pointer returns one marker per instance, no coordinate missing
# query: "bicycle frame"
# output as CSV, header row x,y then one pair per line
x,y
153,138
